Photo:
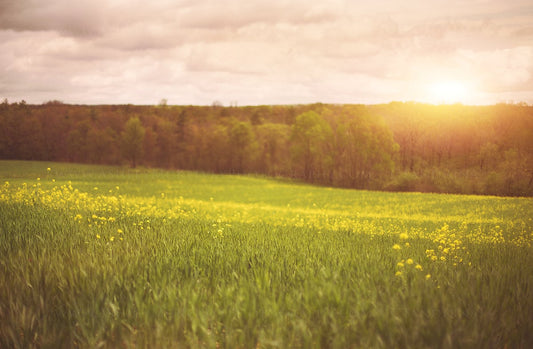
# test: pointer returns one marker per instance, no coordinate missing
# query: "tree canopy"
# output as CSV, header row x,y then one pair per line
x,y
395,146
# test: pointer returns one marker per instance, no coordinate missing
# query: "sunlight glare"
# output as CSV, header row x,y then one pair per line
x,y
448,92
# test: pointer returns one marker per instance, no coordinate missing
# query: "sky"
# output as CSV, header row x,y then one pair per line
x,y
253,52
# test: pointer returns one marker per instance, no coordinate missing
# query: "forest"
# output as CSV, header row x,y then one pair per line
x,y
399,146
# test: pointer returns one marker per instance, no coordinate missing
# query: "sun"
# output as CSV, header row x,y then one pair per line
x,y
448,92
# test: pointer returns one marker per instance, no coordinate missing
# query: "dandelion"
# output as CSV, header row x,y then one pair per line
x,y
404,236
398,273
400,265
120,231
48,169
428,276
98,236
419,267
407,244
396,247
112,238
409,261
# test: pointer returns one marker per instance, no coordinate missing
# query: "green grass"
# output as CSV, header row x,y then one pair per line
x,y
94,256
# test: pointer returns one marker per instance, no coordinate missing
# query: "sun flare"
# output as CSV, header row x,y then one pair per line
x,y
448,92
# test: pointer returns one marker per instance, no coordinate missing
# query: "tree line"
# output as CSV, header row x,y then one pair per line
x,y
396,146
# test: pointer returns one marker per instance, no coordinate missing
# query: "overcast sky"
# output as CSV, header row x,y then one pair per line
x,y
266,51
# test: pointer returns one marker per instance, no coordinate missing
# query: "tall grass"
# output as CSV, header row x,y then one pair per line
x,y
110,257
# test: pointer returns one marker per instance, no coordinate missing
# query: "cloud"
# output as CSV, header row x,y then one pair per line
x,y
501,70
265,51
76,18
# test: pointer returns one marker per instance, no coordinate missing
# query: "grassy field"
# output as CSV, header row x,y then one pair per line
x,y
112,257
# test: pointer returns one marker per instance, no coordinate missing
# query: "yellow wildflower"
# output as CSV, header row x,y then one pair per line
x,y
400,264
396,247
98,236
398,273
418,267
404,236
409,261
428,276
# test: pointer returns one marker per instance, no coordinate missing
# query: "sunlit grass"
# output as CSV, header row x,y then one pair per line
x,y
94,256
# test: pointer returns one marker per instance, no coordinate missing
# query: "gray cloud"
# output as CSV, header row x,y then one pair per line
x,y
76,18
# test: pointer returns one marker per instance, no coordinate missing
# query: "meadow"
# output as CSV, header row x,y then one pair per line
x,y
96,256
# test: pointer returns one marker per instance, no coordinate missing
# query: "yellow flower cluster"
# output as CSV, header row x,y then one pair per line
x,y
406,265
99,207
449,247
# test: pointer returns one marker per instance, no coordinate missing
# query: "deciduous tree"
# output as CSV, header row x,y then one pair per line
x,y
133,140
309,137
